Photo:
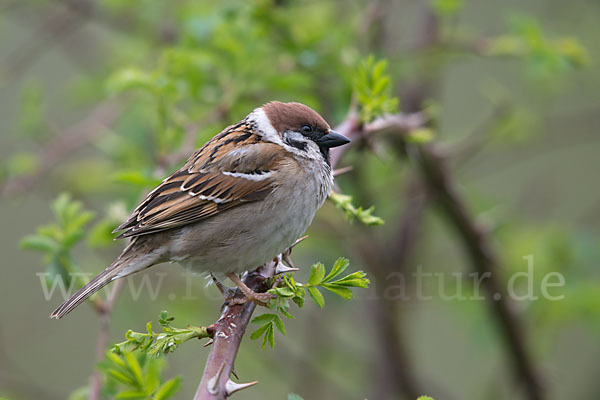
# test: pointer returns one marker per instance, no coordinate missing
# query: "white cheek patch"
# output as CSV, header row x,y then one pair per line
x,y
263,125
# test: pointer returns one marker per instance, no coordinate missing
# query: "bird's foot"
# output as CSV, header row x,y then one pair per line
x,y
260,299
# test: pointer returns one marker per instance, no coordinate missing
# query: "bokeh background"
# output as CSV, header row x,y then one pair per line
x,y
101,99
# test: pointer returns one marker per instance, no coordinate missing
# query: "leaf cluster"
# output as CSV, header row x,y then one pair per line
x,y
57,239
372,89
544,55
136,376
159,343
344,202
289,289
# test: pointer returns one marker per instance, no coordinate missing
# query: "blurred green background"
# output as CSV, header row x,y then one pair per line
x,y
102,99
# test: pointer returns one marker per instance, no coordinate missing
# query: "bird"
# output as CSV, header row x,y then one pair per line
x,y
240,200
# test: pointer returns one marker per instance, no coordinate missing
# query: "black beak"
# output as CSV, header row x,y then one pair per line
x,y
332,139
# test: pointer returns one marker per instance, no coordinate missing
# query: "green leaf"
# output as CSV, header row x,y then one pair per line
x,y
341,291
132,394
121,377
299,300
317,272
339,267
355,279
270,337
294,396
259,332
316,296
168,389
279,324
286,314
264,319
424,398
39,243
135,367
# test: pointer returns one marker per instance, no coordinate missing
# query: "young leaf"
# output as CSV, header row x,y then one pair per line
x,y
339,266
344,202
317,272
168,389
39,243
259,332
279,324
343,292
264,319
316,296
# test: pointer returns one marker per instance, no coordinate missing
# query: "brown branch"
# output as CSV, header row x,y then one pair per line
x,y
228,332
484,259
383,259
65,144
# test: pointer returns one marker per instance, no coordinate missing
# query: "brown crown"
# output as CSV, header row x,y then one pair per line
x,y
292,116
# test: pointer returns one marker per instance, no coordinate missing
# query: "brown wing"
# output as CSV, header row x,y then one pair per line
x,y
235,167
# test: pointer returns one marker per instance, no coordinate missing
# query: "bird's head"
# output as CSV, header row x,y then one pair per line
x,y
298,128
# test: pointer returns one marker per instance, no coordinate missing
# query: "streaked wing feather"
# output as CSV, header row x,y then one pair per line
x,y
201,190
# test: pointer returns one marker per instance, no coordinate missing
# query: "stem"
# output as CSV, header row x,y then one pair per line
x,y
102,343
228,332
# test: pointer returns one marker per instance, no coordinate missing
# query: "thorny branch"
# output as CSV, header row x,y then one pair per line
x,y
227,333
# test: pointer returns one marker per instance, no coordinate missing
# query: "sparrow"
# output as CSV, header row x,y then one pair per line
x,y
240,200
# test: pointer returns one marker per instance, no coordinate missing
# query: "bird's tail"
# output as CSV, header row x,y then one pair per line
x,y
130,261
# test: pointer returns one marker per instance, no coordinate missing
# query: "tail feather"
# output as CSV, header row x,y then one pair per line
x,y
82,294
132,259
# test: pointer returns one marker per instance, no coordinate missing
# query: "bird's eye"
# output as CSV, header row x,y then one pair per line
x,y
306,129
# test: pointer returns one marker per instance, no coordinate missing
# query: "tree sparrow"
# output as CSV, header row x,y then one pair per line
x,y
239,201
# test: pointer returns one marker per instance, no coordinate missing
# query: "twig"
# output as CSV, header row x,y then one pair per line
x,y
65,144
102,342
228,332
354,130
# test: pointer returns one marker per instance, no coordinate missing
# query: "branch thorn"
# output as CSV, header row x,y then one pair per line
x,y
231,387
213,383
